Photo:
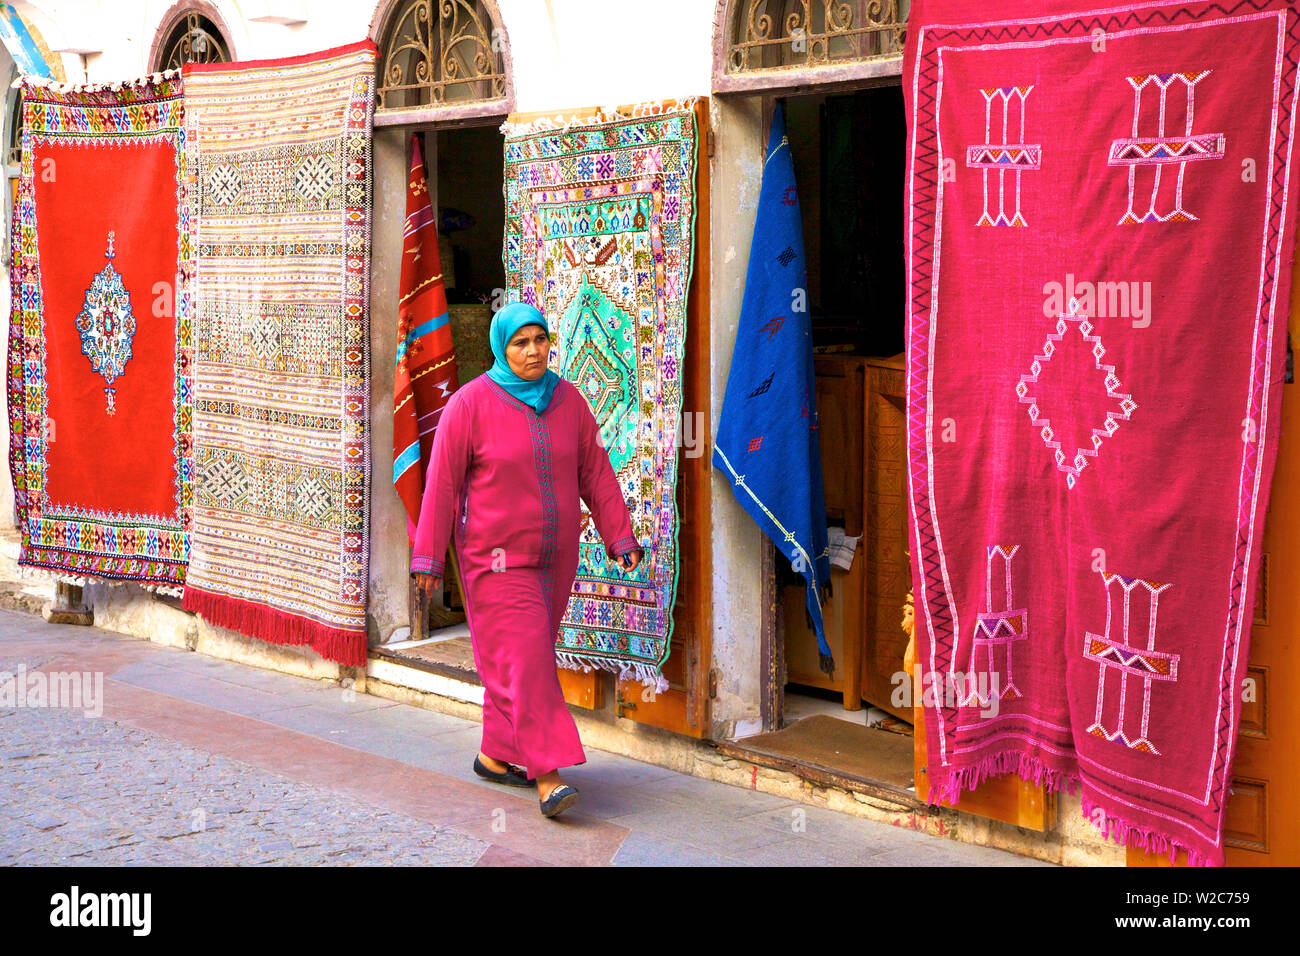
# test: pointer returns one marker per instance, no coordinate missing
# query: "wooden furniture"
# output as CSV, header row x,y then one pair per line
x,y
884,543
842,618
862,426
841,421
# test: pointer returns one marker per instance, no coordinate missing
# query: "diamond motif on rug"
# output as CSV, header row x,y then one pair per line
x,y
312,498
224,185
1071,464
107,325
265,338
314,178
226,481
596,362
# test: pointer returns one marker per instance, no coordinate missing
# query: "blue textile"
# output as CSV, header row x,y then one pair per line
x,y
767,442
509,320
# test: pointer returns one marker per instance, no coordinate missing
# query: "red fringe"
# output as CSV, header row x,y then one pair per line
x,y
1029,767
1127,833
1024,766
277,627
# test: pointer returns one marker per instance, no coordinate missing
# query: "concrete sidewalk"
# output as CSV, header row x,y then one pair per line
x,y
197,761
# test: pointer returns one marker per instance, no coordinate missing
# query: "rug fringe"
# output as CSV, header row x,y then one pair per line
x,y
50,83
52,576
56,86
1031,768
163,589
1025,766
278,627
1127,833
601,115
49,576
648,674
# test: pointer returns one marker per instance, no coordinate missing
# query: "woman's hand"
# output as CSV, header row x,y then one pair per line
x,y
628,562
427,584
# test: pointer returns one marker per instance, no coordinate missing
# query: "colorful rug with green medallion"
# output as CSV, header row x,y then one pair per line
x,y
600,224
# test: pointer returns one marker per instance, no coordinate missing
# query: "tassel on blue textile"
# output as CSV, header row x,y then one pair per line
x,y
767,443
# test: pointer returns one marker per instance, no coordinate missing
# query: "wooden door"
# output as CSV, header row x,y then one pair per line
x,y
684,707
1262,827
582,688
888,573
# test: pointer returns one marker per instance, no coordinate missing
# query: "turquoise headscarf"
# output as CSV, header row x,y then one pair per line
x,y
509,320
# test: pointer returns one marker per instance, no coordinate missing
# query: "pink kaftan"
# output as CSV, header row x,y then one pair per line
x,y
506,481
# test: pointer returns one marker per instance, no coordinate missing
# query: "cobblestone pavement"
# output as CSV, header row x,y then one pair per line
x,y
78,790
197,761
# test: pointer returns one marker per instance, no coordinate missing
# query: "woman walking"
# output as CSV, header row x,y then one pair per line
x,y
515,449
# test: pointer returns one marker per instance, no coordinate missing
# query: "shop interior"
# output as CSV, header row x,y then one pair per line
x,y
471,221
848,150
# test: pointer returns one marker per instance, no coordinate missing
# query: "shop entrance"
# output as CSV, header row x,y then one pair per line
x,y
468,190
463,166
849,151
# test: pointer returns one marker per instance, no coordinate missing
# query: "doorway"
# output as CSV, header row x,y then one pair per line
x,y
464,168
853,725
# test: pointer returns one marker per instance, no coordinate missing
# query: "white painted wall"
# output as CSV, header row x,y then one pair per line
x,y
574,53
121,32
566,53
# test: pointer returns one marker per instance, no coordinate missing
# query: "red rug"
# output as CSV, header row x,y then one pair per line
x,y
426,374
1099,237
99,377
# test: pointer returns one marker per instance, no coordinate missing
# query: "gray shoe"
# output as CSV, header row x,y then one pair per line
x,y
561,798
512,776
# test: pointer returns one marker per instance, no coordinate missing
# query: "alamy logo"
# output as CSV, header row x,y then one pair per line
x,y
1120,299
78,690
102,909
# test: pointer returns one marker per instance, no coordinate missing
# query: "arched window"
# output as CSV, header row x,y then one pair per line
x,y
190,36
768,43
442,57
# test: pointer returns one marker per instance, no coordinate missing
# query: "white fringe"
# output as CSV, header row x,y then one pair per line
x,y
603,114
48,576
166,590
647,674
46,82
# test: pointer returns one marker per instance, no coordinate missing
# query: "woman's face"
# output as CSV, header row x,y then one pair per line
x,y
527,351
